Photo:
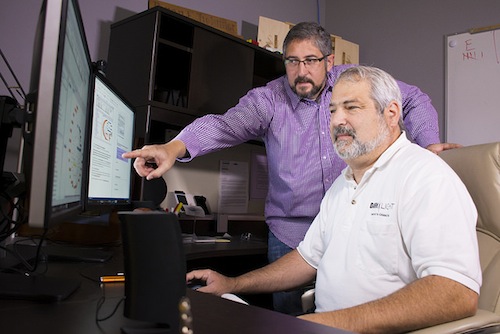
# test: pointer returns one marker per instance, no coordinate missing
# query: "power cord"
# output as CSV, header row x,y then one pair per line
x,y
101,302
8,206
27,267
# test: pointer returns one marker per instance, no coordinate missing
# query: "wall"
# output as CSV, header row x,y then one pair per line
x,y
201,175
18,20
406,37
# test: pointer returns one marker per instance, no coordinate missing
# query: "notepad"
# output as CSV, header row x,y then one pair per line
x,y
189,238
210,240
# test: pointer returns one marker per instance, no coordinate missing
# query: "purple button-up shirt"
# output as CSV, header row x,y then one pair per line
x,y
302,162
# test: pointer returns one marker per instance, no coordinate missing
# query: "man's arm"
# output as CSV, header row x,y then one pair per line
x,y
438,148
420,119
426,302
288,272
419,116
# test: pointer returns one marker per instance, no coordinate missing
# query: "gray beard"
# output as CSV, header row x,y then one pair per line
x,y
356,148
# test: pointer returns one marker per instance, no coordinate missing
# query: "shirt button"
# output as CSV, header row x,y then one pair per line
x,y
353,202
324,157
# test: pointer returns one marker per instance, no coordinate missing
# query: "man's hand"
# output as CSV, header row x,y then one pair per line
x,y
215,283
439,147
288,272
152,161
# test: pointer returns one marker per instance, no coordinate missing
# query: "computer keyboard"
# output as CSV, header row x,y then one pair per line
x,y
74,253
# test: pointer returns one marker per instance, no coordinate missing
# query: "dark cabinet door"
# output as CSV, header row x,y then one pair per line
x,y
221,73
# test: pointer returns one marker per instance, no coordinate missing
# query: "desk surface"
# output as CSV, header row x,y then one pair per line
x,y
211,315
234,248
77,313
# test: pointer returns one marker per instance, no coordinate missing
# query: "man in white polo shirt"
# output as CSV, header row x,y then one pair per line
x,y
393,248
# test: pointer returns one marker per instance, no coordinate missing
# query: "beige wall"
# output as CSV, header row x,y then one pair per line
x,y
201,176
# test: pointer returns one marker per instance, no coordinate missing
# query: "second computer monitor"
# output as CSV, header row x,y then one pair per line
x,y
111,134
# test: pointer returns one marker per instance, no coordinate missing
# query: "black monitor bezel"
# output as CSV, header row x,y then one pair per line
x,y
42,111
103,204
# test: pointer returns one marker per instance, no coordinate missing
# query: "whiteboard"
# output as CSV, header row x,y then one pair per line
x,y
472,112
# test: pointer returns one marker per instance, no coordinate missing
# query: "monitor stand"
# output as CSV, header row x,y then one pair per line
x,y
14,285
36,288
61,252
54,252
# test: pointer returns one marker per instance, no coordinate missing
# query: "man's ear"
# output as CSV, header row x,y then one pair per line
x,y
393,113
329,62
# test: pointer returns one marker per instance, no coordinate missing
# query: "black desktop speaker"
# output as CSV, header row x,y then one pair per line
x,y
154,190
155,268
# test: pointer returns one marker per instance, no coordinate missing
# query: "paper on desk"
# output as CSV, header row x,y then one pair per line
x,y
233,187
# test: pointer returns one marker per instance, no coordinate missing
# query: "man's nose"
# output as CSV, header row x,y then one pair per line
x,y
303,68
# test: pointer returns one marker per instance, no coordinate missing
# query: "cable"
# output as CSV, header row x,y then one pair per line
x,y
22,93
7,225
318,12
33,268
28,268
101,302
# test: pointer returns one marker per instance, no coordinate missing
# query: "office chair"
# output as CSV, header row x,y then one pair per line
x,y
479,168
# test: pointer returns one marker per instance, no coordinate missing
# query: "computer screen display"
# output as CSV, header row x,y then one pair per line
x,y
56,114
111,135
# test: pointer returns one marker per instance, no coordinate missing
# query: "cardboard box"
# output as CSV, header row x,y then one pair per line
x,y
228,26
272,33
345,52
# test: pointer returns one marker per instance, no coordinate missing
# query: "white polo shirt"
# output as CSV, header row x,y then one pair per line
x,y
409,217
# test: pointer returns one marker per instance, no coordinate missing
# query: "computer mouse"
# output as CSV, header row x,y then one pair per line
x,y
196,284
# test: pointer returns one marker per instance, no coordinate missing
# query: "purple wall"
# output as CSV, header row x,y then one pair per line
x,y
18,21
406,38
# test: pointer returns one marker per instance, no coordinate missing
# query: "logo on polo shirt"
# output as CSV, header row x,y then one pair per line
x,y
381,209
382,206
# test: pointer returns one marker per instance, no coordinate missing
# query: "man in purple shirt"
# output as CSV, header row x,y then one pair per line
x,y
291,115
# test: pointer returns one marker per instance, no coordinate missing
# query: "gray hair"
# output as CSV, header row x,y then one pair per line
x,y
384,88
309,31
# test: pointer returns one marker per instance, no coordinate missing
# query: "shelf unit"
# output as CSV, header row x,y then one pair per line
x,y
175,69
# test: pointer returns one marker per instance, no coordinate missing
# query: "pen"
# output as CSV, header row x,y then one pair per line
x,y
119,277
178,208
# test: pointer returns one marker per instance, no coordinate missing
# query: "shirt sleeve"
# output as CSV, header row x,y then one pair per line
x,y
440,241
246,121
419,116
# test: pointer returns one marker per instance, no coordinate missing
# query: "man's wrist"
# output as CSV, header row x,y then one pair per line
x,y
179,148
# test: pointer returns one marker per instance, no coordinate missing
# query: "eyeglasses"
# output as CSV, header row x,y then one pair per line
x,y
308,62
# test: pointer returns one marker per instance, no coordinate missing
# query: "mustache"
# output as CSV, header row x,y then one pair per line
x,y
301,79
341,130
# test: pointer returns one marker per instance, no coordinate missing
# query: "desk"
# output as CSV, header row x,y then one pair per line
x,y
212,315
234,225
196,251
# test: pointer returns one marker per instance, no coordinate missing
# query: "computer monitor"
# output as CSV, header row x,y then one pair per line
x,y
111,130
57,110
